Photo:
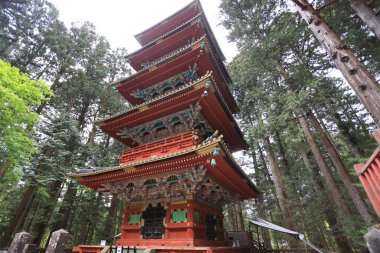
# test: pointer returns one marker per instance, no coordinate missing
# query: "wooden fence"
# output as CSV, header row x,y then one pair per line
x,y
369,175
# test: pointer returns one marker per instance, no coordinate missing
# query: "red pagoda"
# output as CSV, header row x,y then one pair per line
x,y
177,172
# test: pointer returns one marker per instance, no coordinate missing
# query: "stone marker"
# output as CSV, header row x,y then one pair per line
x,y
58,240
19,242
29,248
372,238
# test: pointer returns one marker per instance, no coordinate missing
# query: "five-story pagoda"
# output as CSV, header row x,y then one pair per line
x,y
178,172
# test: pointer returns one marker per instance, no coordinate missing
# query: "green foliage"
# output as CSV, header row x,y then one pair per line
x,y
271,36
80,65
18,96
9,188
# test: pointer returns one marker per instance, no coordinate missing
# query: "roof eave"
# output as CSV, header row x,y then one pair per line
x,y
139,35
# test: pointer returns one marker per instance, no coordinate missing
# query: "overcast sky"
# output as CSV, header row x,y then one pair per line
x,y
120,20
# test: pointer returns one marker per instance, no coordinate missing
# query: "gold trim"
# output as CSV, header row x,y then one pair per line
x,y
143,108
196,46
199,85
178,202
206,150
153,68
129,169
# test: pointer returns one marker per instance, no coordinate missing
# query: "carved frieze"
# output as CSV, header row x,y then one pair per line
x,y
175,123
169,84
173,187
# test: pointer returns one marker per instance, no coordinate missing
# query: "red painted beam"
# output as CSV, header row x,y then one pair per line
x,y
168,24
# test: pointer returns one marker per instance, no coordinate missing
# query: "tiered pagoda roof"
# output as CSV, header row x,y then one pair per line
x,y
225,171
174,23
193,29
177,91
192,35
177,172
202,93
196,55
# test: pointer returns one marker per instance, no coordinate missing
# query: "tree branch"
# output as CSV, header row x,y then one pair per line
x,y
299,4
325,5
244,16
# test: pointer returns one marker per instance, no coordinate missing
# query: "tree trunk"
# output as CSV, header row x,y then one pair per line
x,y
361,81
239,217
83,113
342,171
260,203
329,212
33,55
8,44
321,235
30,213
95,216
231,217
280,187
53,88
267,176
345,132
360,121
74,209
48,66
368,16
47,209
67,206
65,210
109,226
334,155
315,232
3,169
18,217
325,170
275,235
294,189
282,197
81,232
92,135
340,239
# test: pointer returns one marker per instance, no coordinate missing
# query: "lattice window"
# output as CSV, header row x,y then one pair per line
x,y
134,219
153,222
210,226
197,217
179,215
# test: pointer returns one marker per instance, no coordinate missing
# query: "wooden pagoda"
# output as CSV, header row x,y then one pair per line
x,y
177,172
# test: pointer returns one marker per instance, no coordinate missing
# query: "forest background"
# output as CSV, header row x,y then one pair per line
x,y
304,123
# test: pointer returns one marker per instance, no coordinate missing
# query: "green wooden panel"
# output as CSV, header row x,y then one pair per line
x,y
179,215
134,219
197,217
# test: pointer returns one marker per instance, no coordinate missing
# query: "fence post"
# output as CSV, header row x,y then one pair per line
x,y
19,241
58,240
